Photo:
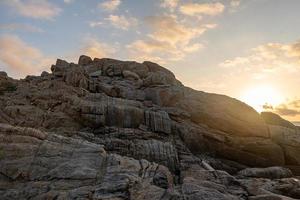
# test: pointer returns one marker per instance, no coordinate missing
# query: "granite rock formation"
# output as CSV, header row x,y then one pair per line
x,y
113,130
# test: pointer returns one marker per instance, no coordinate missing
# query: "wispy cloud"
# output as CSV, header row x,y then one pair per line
x,y
109,5
20,27
169,38
170,30
92,47
287,109
122,22
269,58
94,24
169,4
235,3
41,9
68,1
193,9
21,58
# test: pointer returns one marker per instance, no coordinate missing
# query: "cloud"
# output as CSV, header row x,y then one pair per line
x,y
169,29
169,39
94,48
235,62
287,112
193,9
41,9
283,110
295,103
193,47
21,58
122,22
294,49
94,24
110,5
267,106
235,3
287,109
153,50
20,27
169,4
68,1
268,58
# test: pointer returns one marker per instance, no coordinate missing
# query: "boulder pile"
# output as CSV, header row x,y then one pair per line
x,y
113,130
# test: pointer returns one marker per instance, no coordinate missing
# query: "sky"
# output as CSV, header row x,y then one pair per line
x,y
247,49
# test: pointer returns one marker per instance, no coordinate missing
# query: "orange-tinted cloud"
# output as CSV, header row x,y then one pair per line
x,y
122,22
170,39
41,9
20,27
269,58
193,9
284,109
21,58
96,49
169,4
109,5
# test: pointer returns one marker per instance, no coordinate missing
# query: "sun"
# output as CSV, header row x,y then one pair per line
x,y
262,95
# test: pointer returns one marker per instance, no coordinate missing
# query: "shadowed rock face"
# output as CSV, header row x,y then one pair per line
x,y
287,136
276,120
110,129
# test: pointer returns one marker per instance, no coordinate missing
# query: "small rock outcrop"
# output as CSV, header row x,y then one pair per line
x,y
269,172
113,130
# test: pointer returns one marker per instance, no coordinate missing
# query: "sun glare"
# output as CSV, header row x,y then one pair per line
x,y
262,95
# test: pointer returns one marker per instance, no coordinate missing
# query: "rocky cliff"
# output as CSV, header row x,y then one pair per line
x,y
110,129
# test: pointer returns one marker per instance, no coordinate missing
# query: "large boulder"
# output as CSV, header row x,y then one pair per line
x,y
224,113
59,68
286,135
6,84
251,151
84,60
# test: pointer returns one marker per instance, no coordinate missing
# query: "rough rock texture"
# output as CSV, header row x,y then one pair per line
x,y
113,130
269,172
287,136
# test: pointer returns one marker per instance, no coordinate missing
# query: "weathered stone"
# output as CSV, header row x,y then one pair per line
x,y
110,129
140,69
84,60
269,197
286,135
224,113
158,78
3,74
95,74
70,164
153,67
158,121
165,96
59,68
270,172
260,188
130,75
76,76
273,119
44,73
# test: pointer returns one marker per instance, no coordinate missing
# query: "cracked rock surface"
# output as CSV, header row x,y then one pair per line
x,y
117,130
